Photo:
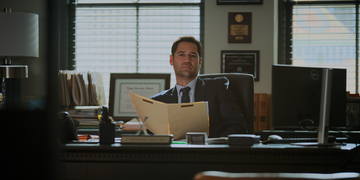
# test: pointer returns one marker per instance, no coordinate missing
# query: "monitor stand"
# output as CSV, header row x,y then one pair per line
x,y
323,130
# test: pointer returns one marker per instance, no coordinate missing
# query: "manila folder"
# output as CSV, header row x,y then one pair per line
x,y
172,118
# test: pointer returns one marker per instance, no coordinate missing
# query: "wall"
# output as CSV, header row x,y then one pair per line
x,y
264,37
36,83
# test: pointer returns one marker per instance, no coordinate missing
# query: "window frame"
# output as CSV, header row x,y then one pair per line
x,y
285,30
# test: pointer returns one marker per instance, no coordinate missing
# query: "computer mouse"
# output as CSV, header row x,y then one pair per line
x,y
274,137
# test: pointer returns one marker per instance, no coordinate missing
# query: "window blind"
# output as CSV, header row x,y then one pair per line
x,y
131,37
324,35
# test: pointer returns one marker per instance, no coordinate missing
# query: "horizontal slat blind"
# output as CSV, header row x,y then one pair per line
x,y
325,36
130,38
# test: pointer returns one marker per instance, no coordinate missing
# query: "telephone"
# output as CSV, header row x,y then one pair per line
x,y
68,128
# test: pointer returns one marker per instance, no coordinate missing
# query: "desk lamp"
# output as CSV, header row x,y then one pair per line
x,y
19,38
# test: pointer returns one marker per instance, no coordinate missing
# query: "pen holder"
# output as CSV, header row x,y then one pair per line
x,y
107,133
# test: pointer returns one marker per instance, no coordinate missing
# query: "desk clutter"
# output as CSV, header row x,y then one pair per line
x,y
193,138
85,117
88,117
81,88
198,138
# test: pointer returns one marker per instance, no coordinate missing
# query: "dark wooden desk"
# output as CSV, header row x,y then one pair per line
x,y
264,134
93,161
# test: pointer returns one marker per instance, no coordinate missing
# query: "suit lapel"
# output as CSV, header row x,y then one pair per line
x,y
172,94
200,90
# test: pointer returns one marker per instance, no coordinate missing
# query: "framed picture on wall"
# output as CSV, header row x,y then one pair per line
x,y
239,2
233,61
147,85
239,27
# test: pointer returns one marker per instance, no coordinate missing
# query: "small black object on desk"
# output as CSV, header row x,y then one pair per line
x,y
106,128
243,139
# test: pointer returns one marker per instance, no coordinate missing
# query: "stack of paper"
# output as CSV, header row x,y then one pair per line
x,y
172,118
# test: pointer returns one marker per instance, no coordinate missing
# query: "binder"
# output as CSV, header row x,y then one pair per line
x,y
81,88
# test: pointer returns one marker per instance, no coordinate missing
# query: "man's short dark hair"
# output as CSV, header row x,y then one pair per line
x,y
186,39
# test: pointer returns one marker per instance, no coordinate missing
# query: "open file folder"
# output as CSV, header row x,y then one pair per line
x,y
172,118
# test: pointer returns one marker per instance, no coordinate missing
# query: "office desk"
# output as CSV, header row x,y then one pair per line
x,y
118,132
93,161
264,134
355,135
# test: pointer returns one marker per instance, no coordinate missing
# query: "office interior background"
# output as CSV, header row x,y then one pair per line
x,y
336,34
54,44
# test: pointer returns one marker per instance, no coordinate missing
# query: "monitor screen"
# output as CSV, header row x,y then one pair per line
x,y
296,96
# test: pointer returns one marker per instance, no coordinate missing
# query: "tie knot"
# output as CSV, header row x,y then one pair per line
x,y
185,90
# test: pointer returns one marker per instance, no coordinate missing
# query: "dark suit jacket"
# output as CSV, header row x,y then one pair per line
x,y
225,116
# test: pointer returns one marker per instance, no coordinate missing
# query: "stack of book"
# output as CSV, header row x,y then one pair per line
x,y
85,117
88,117
262,111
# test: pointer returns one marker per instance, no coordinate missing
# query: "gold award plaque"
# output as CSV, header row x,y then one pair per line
x,y
239,18
239,30
239,27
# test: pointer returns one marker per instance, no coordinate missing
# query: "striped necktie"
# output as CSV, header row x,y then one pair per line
x,y
185,98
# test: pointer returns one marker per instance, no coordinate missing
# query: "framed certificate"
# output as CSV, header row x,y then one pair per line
x,y
241,62
147,85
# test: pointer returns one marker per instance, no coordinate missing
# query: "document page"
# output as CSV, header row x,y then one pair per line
x,y
172,118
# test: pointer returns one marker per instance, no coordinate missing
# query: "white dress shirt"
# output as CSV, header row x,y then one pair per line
x,y
191,93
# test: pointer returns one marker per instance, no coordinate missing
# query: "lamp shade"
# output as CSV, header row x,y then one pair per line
x,y
19,34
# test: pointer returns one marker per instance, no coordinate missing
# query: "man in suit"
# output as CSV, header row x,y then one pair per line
x,y
225,116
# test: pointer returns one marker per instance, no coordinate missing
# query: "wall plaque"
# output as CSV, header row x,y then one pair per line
x,y
241,62
239,27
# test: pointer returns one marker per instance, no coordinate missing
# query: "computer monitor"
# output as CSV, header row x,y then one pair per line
x,y
296,97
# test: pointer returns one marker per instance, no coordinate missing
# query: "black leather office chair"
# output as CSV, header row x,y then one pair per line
x,y
243,87
219,175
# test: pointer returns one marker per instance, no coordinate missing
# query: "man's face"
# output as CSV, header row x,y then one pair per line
x,y
186,60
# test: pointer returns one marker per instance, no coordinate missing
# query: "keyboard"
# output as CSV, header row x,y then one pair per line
x,y
294,140
331,139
